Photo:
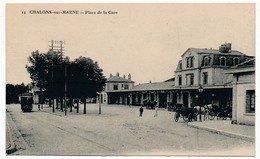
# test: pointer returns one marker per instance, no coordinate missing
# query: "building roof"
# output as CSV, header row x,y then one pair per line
x,y
247,66
118,79
149,87
211,51
154,86
164,86
248,63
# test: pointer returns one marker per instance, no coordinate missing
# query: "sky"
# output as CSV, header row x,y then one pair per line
x,y
145,40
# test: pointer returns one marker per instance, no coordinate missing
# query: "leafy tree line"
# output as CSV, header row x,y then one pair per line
x,y
13,92
50,72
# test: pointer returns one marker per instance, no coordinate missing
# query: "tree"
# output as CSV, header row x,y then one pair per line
x,y
13,92
85,78
45,70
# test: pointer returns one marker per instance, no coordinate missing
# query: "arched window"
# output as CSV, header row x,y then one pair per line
x,y
206,61
236,60
222,61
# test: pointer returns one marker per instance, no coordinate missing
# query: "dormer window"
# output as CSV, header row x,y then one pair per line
x,y
236,60
206,61
222,61
190,62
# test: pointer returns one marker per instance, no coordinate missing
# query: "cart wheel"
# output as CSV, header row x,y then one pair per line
x,y
176,117
195,117
219,116
211,115
186,118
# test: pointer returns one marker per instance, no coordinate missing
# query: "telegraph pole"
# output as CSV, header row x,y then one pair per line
x,y
56,46
65,90
52,99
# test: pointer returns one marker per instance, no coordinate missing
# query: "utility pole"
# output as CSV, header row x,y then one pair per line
x,y
52,99
41,94
56,46
65,90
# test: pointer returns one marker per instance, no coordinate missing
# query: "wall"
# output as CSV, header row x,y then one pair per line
x,y
240,97
220,77
110,86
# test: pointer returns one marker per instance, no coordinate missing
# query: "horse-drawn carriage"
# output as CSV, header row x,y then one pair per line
x,y
188,114
210,111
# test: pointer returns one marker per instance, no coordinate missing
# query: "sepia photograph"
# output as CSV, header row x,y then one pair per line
x,y
130,79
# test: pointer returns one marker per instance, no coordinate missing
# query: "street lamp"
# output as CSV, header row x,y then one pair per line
x,y
129,99
200,102
99,101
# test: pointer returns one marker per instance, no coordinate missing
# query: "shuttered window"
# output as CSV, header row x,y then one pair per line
x,y
250,101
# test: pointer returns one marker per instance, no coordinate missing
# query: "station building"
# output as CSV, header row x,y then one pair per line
x,y
199,78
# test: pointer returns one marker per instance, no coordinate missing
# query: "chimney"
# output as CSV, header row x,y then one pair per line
x,y
225,48
124,76
110,75
117,74
129,76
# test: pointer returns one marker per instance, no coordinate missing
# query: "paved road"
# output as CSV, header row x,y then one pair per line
x,y
117,131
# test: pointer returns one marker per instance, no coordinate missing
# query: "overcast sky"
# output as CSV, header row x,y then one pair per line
x,y
146,40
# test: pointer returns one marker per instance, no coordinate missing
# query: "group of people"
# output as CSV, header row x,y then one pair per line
x,y
141,110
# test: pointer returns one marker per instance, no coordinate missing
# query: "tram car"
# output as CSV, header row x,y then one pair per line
x,y
26,102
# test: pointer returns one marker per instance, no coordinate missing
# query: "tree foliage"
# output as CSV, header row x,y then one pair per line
x,y
85,78
47,70
13,92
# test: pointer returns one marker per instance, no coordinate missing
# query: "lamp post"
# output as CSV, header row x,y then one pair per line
x,y
129,99
99,101
200,102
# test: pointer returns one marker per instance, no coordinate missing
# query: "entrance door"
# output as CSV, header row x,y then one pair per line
x,y
186,99
162,100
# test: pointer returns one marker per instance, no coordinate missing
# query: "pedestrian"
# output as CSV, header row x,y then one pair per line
x,y
141,111
39,106
156,111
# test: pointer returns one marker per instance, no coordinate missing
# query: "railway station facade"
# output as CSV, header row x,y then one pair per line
x,y
199,78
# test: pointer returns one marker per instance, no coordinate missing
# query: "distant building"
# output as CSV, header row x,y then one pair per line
x,y
243,109
116,83
35,92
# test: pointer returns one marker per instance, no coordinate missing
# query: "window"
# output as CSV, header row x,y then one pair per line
x,y
189,79
126,86
236,60
205,77
222,61
180,79
190,62
250,101
115,87
145,96
206,61
180,65
122,86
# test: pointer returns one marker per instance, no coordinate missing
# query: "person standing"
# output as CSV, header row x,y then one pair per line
x,y
156,111
141,110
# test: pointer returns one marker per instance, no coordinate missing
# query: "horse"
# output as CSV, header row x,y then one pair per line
x,y
203,110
